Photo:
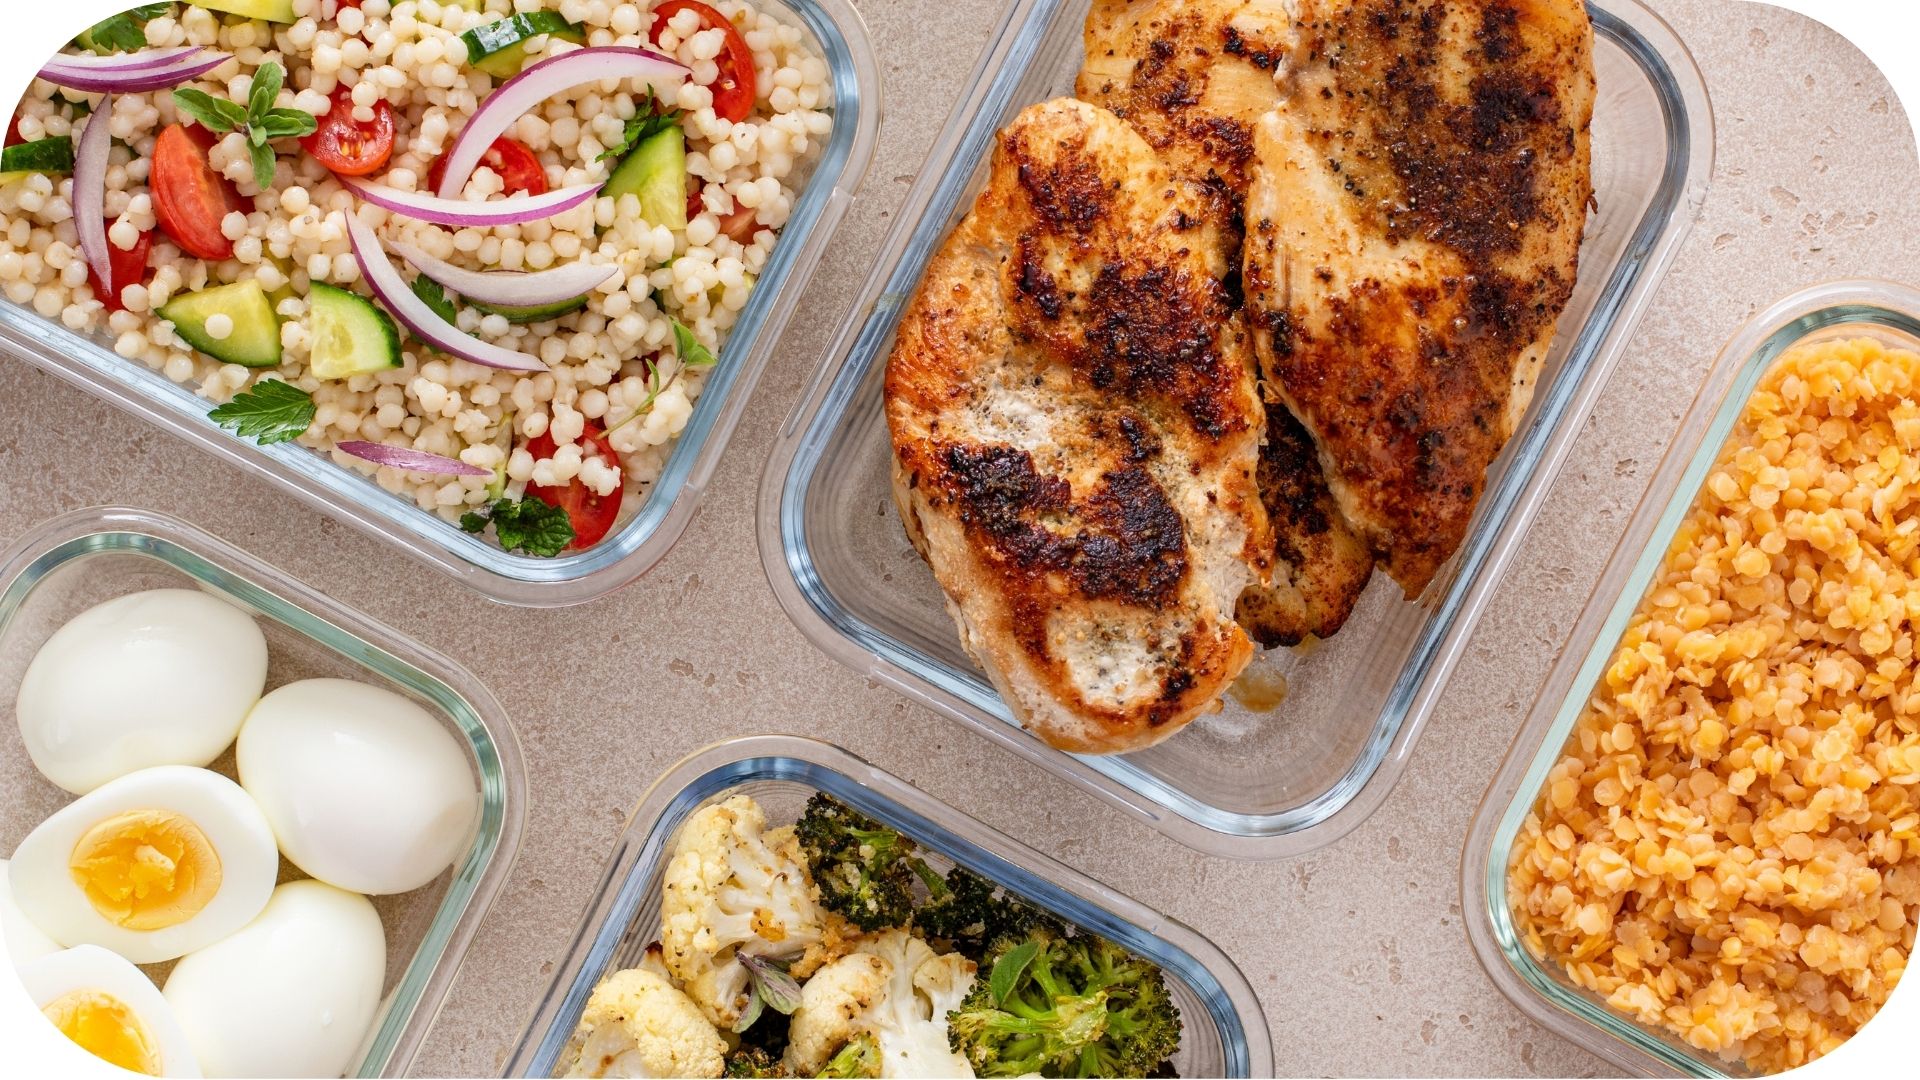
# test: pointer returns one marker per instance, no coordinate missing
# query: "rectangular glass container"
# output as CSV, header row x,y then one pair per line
x,y
1225,1033
1845,309
1247,783
88,361
81,559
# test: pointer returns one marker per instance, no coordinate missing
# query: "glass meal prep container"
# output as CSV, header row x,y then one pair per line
x,y
1247,782
76,561
88,361
1224,1033
1890,313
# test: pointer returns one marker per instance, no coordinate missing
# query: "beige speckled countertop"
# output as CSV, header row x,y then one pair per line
x,y
1357,950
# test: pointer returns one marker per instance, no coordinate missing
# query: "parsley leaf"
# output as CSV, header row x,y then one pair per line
x,y
435,297
647,121
273,411
125,32
528,525
692,353
212,113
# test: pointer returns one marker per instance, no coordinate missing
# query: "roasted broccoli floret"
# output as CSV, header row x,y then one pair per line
x,y
858,1060
963,911
755,1061
863,869
1065,1006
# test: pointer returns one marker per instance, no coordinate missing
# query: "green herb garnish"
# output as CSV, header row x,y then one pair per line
x,y
528,525
435,297
647,120
261,122
692,353
273,411
125,32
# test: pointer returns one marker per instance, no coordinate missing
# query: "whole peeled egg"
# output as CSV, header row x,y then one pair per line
x,y
292,994
153,865
152,678
106,1006
364,789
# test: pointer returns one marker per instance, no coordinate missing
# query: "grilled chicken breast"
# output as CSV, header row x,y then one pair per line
x,y
1412,232
1194,77
1076,427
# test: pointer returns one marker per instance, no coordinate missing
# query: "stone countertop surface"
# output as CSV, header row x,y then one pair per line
x,y
1357,950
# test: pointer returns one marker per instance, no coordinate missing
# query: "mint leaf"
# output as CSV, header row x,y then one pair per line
x,y
647,120
692,353
274,411
212,113
267,81
263,163
532,526
1008,969
435,297
287,124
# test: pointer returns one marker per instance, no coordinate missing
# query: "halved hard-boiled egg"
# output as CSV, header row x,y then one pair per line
x,y
153,678
294,993
104,1004
153,865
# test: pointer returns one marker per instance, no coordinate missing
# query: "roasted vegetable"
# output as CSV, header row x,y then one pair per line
x,y
864,870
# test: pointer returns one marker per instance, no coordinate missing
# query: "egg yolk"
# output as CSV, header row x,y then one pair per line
x,y
146,869
105,1027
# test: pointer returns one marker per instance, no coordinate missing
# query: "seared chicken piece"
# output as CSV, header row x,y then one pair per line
x,y
1194,77
1076,426
1320,567
1413,231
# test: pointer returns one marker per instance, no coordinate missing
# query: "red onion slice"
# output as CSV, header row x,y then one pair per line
x,y
414,312
460,213
139,61
509,288
401,457
90,193
135,81
554,75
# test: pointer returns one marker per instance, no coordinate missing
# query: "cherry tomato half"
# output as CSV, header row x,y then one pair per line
x,y
738,226
348,146
735,88
189,198
592,515
129,267
511,161
13,131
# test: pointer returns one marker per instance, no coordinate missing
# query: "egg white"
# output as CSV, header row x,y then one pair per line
x,y
23,939
294,993
153,678
44,888
89,967
364,788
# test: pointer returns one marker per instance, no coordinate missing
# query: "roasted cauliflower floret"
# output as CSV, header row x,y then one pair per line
x,y
834,1006
637,1025
893,987
733,888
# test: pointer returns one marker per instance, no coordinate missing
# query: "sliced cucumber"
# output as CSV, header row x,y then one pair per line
x,y
500,48
533,314
53,156
280,11
656,172
253,340
350,335
284,292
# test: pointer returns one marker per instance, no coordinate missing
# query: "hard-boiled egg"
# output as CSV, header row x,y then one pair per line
x,y
24,940
153,678
292,994
153,865
364,788
110,1009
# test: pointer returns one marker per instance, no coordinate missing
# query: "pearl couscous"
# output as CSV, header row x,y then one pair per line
x,y
1729,847
619,375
